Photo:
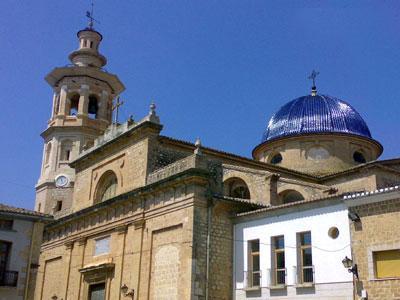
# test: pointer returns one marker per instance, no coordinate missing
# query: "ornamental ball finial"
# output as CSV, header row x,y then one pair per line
x,y
197,144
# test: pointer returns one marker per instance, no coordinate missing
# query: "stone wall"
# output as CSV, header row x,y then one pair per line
x,y
151,239
129,164
376,232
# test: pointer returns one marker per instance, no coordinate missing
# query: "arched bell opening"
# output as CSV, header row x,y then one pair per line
x,y
73,104
93,107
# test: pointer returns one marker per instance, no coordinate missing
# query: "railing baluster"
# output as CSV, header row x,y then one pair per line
x,y
8,278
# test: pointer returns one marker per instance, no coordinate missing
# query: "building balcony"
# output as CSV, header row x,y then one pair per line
x,y
8,278
252,280
277,278
304,276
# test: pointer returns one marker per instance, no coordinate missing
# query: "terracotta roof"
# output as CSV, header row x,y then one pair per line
x,y
297,203
22,211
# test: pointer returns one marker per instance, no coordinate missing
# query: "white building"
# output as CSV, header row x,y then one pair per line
x,y
20,238
293,251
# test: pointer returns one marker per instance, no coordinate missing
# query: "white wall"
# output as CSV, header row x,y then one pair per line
x,y
328,264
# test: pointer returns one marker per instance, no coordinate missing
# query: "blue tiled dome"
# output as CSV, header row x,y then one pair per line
x,y
315,114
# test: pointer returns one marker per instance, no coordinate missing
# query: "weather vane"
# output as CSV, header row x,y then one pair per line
x,y
313,76
89,15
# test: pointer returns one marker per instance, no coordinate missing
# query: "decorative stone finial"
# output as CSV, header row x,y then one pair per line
x,y
152,116
197,143
152,108
131,120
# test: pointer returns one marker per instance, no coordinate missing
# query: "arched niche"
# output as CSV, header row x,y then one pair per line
x,y
237,188
66,150
47,153
290,196
106,187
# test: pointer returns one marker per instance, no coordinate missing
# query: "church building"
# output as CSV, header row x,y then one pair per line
x,y
140,215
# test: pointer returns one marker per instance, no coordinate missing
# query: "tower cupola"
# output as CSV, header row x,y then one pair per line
x,y
88,54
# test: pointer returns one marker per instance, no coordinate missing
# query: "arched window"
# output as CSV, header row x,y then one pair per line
x,y
359,157
47,154
93,107
74,104
236,188
276,158
107,187
290,196
66,150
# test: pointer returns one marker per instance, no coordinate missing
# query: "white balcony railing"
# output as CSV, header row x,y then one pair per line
x,y
304,275
252,279
277,277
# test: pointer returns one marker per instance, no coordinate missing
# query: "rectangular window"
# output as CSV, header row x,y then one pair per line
x,y
253,272
102,246
97,291
6,224
58,205
7,278
306,269
387,263
278,275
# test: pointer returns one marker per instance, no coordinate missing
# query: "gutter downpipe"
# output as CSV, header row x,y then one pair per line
x,y
210,205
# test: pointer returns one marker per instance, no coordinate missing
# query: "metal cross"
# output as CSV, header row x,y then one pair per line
x,y
89,15
115,107
313,76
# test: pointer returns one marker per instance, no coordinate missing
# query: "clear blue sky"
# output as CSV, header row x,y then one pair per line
x,y
216,69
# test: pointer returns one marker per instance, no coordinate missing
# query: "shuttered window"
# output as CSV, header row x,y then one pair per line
x,y
387,263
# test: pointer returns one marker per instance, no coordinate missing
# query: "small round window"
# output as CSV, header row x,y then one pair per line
x,y
276,159
333,232
359,157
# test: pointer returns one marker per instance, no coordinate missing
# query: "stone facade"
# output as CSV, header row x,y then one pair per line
x,y
379,215
164,208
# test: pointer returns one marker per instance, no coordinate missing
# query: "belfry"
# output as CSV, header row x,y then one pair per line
x,y
82,110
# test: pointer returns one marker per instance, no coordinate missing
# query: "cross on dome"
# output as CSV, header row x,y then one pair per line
x,y
312,76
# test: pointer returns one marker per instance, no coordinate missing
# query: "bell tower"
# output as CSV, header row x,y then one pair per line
x,y
82,109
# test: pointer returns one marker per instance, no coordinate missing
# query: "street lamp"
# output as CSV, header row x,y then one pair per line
x,y
126,292
348,264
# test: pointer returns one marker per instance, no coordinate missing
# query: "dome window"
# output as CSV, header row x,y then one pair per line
x,y
276,159
318,153
359,157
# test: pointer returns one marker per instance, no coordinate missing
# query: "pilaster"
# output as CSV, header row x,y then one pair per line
x,y
63,100
103,106
83,100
